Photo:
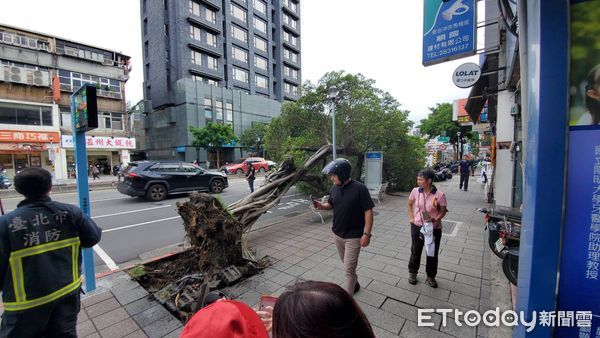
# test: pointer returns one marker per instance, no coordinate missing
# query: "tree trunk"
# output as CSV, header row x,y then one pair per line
x,y
217,233
360,160
218,160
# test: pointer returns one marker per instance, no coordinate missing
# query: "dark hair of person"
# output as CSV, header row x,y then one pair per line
x,y
427,174
592,104
33,182
319,309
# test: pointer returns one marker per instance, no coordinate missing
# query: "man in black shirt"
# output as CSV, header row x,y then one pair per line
x,y
352,217
464,169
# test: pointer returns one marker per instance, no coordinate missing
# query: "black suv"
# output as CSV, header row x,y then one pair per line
x,y
157,179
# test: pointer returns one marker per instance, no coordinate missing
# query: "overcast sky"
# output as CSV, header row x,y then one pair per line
x,y
379,38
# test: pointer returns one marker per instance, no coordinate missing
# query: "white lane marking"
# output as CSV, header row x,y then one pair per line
x,y
111,199
106,258
131,212
140,224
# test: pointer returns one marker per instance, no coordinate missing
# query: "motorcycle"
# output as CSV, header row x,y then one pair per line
x,y
504,232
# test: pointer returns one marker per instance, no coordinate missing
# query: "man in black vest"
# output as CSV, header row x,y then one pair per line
x,y
352,217
40,260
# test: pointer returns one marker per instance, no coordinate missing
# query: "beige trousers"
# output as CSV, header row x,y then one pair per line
x,y
348,249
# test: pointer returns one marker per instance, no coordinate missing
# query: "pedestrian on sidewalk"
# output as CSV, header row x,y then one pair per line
x,y
464,168
40,260
352,217
95,173
250,176
426,204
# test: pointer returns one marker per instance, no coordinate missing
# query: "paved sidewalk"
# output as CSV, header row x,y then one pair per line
x,y
304,249
120,307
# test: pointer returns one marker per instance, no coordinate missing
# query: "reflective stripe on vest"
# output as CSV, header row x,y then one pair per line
x,y
16,266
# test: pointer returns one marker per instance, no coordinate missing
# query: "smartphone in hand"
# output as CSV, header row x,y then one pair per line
x,y
316,204
266,301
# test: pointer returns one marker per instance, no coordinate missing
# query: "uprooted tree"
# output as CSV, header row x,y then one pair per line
x,y
217,234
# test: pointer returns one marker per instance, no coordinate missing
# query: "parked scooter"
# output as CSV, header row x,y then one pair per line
x,y
504,232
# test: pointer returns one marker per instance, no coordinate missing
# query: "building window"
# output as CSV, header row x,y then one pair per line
x,y
208,110
24,41
145,28
239,54
211,39
260,24
229,113
260,6
28,115
196,58
260,44
291,89
210,15
195,33
290,38
219,110
261,81
238,13
212,62
291,72
240,75
194,8
260,62
107,120
289,21
65,120
291,5
205,80
288,54
239,33
70,81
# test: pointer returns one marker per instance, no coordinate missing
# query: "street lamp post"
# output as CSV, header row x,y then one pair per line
x,y
332,94
459,152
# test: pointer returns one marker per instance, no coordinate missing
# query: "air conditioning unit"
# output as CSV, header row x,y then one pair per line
x,y
4,77
41,79
15,75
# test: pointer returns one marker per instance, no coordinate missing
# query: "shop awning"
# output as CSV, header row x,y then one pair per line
x,y
484,90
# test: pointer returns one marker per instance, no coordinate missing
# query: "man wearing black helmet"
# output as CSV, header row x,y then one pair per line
x,y
352,217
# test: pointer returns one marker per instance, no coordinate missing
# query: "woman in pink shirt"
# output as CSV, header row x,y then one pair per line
x,y
426,204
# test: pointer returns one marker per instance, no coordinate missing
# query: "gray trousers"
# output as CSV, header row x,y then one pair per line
x,y
348,249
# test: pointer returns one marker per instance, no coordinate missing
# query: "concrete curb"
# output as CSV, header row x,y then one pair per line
x,y
62,188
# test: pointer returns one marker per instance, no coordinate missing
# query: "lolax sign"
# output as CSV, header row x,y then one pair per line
x,y
466,75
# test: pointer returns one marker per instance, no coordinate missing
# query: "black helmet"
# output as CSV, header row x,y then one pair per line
x,y
340,167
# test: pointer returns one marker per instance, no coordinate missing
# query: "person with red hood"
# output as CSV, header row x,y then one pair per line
x,y
225,319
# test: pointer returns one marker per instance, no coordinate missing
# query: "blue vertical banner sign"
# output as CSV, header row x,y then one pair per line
x,y
579,283
84,114
449,30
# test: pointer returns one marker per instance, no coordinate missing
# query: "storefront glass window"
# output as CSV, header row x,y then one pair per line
x,y
6,161
21,161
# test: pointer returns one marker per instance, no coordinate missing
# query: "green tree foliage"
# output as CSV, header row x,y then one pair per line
x,y
585,44
213,137
367,118
439,122
254,137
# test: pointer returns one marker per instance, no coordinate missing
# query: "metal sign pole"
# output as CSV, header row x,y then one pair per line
x,y
81,167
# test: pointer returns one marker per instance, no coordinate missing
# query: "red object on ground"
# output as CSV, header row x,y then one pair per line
x,y
225,319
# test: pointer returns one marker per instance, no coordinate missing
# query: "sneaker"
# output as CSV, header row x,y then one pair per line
x,y
356,287
431,282
412,279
